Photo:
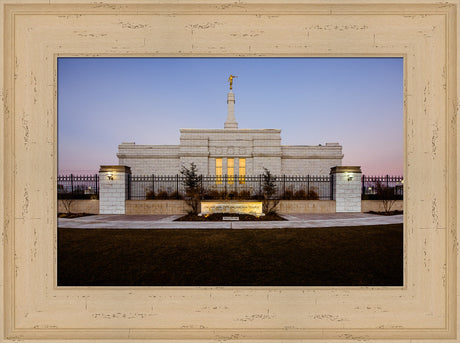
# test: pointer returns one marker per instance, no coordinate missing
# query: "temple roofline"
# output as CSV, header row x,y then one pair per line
x,y
229,130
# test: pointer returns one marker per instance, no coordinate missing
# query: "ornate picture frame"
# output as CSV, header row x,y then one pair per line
x,y
35,34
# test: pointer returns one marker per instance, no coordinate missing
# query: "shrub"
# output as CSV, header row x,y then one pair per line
x,y
312,195
300,195
288,194
256,196
244,195
214,194
75,196
385,195
149,195
209,195
67,202
175,195
163,195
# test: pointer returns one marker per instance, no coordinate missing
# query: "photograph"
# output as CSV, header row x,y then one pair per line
x,y
230,171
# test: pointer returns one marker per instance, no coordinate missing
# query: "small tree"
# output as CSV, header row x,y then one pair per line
x,y
385,195
269,188
192,185
67,201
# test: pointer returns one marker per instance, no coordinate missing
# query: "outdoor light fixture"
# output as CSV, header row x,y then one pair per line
x,y
350,176
110,176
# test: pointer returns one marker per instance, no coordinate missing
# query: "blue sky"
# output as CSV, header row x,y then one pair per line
x,y
357,102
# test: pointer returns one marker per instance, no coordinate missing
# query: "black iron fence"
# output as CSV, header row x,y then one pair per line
x,y
78,186
231,187
226,187
155,187
371,184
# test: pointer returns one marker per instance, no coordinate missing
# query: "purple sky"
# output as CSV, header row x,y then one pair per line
x,y
357,102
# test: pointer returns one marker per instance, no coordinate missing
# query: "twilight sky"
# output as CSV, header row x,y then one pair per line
x,y
357,102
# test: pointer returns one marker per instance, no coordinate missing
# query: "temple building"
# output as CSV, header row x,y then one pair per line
x,y
231,151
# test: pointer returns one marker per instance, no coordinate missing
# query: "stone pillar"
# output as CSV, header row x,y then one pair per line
x,y
113,191
231,121
347,188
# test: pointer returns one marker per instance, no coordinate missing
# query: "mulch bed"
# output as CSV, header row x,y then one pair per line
x,y
344,256
390,213
74,215
217,217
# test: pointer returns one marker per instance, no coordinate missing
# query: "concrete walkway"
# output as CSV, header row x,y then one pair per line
x,y
167,222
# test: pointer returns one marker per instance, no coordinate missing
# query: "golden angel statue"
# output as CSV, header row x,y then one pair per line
x,y
230,79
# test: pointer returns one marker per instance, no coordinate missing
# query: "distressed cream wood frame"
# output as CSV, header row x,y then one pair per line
x,y
34,35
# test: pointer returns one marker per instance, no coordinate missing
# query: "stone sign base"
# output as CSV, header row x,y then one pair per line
x,y
232,206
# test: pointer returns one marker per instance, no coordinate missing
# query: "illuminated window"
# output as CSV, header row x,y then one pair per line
x,y
230,170
242,171
219,171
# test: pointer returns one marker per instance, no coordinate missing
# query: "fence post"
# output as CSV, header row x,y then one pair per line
x,y
284,186
114,189
363,190
177,185
260,186
153,186
96,179
347,192
332,186
308,184
129,186
71,183
201,186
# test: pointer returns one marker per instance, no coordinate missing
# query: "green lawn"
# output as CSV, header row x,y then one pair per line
x,y
344,256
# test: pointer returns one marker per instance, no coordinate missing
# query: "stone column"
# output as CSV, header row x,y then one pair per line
x,y
113,191
347,188
231,121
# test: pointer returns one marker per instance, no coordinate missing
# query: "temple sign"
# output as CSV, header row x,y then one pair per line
x,y
230,79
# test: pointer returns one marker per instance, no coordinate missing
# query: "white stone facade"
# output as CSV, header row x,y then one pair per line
x,y
261,148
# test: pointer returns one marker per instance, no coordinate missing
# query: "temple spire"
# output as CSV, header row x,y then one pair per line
x,y
231,123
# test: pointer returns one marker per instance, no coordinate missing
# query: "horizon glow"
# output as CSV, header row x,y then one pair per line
x,y
357,102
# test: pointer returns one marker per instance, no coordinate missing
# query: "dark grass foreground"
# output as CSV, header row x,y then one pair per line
x,y
350,256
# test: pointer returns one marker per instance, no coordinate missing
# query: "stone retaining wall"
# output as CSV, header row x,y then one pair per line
x,y
156,207
376,205
81,206
306,206
179,206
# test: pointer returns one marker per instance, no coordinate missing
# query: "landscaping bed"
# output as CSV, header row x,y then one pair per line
x,y
216,217
74,215
390,213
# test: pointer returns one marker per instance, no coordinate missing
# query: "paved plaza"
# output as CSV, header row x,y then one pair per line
x,y
115,221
